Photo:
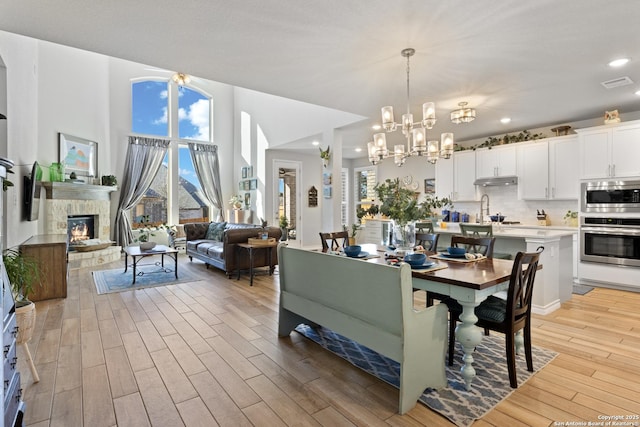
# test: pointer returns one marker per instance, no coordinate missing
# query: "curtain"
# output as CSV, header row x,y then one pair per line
x,y
144,158
207,166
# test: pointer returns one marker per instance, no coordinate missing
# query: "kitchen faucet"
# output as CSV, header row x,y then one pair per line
x,y
485,195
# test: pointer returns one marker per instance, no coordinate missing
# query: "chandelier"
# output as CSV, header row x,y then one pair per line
x,y
415,133
463,114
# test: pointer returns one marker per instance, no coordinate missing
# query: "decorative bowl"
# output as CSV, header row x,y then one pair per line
x,y
145,246
456,251
497,218
415,259
352,251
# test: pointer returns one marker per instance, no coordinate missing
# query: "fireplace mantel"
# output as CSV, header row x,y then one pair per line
x,y
73,191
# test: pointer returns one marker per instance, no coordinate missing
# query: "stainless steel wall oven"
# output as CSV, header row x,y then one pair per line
x,y
610,240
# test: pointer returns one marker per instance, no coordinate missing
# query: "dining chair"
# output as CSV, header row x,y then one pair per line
x,y
482,230
424,227
481,245
506,316
476,230
334,241
429,241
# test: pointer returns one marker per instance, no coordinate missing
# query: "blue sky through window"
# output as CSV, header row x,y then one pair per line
x,y
150,106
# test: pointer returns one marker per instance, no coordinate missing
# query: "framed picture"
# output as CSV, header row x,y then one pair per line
x,y
254,184
246,185
327,191
430,186
78,155
244,173
326,178
249,171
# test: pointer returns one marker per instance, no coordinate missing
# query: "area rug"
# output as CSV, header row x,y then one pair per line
x,y
108,281
581,289
462,407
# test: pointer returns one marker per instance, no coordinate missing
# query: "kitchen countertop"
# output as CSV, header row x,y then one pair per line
x,y
517,231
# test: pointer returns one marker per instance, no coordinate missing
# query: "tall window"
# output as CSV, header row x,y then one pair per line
x,y
182,114
364,181
344,203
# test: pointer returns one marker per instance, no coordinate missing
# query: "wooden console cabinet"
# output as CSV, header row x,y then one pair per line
x,y
51,252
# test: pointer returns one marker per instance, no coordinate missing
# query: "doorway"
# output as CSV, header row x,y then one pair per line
x,y
287,200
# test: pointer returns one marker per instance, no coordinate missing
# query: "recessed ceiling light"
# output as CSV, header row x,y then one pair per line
x,y
618,62
358,150
505,120
638,92
315,143
376,127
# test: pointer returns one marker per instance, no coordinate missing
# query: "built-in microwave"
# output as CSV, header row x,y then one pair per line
x,y
610,196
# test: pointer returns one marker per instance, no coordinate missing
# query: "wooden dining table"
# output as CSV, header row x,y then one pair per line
x,y
469,283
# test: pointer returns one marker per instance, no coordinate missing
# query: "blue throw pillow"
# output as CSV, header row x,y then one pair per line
x,y
216,231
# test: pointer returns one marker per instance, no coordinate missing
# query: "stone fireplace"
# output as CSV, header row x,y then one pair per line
x,y
80,228
67,201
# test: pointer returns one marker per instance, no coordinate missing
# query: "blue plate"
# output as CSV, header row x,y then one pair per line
x,y
427,264
362,254
448,255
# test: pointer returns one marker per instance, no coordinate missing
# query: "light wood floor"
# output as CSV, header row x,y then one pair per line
x,y
207,353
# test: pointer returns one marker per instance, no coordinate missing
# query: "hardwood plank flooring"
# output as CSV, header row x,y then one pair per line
x,y
207,353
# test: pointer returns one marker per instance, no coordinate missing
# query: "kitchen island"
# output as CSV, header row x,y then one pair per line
x,y
554,283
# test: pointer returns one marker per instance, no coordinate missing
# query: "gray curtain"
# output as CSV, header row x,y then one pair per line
x,y
144,157
207,166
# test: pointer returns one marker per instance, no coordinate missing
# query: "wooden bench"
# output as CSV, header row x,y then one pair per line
x,y
371,304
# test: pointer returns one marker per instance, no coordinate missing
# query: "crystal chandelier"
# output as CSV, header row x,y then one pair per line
x,y
415,133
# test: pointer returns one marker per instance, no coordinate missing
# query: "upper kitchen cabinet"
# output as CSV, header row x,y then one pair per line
x,y
610,151
455,176
547,169
497,161
464,174
444,178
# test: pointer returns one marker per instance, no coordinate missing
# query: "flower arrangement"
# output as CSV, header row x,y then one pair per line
x,y
236,201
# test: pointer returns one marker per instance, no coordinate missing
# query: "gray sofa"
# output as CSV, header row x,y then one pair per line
x,y
221,252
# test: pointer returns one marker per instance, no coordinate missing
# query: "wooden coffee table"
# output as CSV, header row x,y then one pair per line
x,y
137,255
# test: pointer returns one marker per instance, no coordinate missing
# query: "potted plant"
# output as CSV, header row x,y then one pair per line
x,y
284,223
24,275
353,233
325,155
236,201
146,231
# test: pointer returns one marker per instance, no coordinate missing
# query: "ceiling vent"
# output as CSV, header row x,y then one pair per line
x,y
620,81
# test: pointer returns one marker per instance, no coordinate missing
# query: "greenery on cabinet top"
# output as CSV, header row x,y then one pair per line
x,y
493,141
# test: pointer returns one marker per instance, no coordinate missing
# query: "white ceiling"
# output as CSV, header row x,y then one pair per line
x,y
539,62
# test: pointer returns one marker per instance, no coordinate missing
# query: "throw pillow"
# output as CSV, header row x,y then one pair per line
x,y
211,231
219,233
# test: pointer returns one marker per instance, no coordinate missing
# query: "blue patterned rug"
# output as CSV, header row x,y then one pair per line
x,y
108,281
462,407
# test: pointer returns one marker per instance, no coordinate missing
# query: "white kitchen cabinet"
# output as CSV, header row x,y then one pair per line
x,y
533,171
444,178
610,151
497,161
547,169
376,231
564,176
464,174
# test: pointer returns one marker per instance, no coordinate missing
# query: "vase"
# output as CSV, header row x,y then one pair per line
x,y
404,236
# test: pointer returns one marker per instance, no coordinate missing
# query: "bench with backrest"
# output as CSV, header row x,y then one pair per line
x,y
371,304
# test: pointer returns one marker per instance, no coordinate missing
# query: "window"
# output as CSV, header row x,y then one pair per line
x,y
175,196
344,217
364,183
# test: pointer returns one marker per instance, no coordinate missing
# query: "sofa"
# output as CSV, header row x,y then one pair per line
x,y
215,244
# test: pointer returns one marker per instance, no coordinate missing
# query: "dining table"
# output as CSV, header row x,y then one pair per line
x,y
468,281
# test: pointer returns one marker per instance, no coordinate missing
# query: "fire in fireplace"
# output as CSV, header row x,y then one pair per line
x,y
79,228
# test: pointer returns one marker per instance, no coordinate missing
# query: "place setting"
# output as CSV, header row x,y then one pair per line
x,y
417,261
355,251
458,255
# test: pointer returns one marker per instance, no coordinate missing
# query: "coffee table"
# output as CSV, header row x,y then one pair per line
x,y
137,255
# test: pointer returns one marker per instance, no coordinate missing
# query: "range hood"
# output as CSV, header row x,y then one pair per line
x,y
494,181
